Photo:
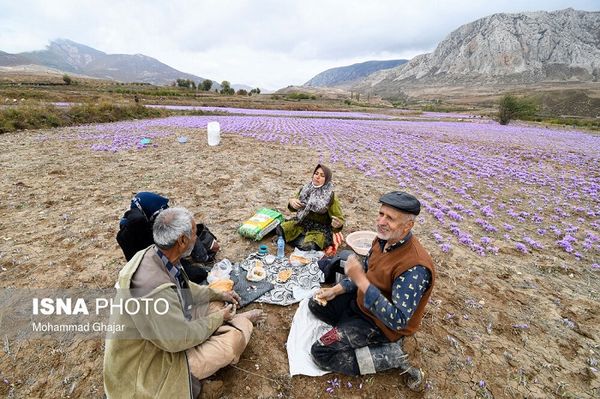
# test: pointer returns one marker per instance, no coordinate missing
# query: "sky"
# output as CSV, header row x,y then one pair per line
x,y
261,43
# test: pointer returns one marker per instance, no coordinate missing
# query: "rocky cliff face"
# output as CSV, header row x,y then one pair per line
x,y
506,48
74,54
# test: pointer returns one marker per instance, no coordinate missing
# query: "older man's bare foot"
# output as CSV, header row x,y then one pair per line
x,y
253,315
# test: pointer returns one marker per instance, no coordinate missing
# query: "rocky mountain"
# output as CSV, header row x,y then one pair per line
x,y
347,75
71,57
522,48
65,55
7,59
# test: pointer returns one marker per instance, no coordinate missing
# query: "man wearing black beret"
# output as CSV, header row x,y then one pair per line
x,y
381,300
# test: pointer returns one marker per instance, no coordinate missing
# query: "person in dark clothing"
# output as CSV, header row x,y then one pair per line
x,y
381,301
135,233
135,227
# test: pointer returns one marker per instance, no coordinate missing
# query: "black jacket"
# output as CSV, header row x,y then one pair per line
x,y
135,234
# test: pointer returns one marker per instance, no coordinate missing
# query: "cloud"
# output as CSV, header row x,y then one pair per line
x,y
271,43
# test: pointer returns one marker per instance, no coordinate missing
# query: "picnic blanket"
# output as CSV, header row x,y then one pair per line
x,y
304,279
249,291
305,330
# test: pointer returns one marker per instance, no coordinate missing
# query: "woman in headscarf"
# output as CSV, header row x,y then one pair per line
x,y
318,213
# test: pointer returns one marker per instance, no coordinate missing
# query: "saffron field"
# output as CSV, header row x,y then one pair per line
x,y
510,216
490,188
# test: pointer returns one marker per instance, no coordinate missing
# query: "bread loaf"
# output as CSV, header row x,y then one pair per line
x,y
222,285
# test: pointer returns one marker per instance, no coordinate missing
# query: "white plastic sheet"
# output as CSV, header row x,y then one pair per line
x,y
305,330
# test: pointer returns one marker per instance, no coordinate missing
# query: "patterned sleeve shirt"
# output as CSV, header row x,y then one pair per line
x,y
348,285
407,291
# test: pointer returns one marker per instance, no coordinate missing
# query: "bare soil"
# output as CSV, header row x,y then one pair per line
x,y
60,205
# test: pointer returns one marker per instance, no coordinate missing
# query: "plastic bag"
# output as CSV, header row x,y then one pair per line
x,y
220,271
259,225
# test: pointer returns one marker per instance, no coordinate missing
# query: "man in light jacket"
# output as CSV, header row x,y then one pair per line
x,y
181,332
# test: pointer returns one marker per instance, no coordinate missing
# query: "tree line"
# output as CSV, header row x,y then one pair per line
x,y
206,85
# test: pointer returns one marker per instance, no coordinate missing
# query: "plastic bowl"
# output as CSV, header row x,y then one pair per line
x,y
361,241
270,259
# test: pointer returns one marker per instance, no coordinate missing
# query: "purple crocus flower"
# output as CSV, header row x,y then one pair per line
x,y
521,247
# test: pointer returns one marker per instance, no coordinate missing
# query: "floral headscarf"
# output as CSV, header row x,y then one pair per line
x,y
316,199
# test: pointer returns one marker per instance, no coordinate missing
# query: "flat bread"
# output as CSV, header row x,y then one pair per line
x,y
284,275
222,285
257,273
319,300
299,260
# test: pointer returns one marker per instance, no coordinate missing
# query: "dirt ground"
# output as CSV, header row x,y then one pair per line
x,y
60,205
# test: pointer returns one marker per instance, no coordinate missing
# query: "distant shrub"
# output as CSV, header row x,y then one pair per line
x,y
300,96
440,107
46,116
28,117
108,112
579,123
511,107
152,91
206,84
190,84
67,79
165,92
226,88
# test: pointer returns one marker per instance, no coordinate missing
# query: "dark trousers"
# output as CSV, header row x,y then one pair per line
x,y
335,350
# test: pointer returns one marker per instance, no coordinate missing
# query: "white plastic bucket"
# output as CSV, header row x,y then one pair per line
x,y
214,133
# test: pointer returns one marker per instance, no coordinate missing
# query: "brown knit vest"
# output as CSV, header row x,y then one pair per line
x,y
384,268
